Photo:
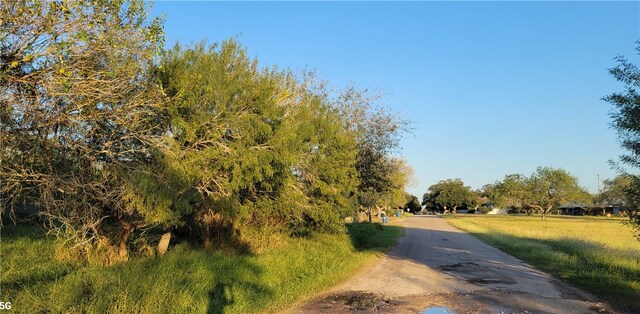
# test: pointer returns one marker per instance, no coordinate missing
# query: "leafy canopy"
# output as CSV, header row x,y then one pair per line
x,y
449,194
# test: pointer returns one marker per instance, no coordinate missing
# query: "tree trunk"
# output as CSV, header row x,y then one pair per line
x,y
369,214
454,210
545,212
163,245
123,245
206,222
211,223
128,228
207,237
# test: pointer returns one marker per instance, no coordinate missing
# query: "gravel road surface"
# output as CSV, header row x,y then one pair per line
x,y
439,268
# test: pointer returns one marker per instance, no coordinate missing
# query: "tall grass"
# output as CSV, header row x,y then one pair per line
x,y
599,255
186,280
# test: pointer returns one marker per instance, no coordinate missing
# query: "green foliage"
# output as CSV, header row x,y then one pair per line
x,y
377,131
632,207
614,191
256,145
546,189
325,166
510,192
626,112
449,195
626,120
413,204
623,191
225,127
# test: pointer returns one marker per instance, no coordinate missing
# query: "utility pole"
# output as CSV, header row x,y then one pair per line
x,y
604,211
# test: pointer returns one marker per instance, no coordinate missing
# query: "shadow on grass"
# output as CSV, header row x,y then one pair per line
x,y
187,279
34,278
219,299
10,232
27,258
366,236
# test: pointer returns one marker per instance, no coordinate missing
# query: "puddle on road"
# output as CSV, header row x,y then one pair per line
x,y
437,310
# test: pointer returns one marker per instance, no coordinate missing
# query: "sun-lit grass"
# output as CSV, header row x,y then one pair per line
x,y
187,279
599,255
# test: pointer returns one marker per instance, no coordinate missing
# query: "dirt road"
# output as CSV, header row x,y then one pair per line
x,y
436,265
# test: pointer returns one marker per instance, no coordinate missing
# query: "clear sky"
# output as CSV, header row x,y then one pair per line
x,y
492,88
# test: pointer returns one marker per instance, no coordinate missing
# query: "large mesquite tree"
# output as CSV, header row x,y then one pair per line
x,y
545,189
324,167
449,195
377,133
77,111
254,145
224,120
548,188
511,192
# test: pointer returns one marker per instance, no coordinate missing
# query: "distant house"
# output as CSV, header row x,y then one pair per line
x,y
607,210
494,210
497,211
574,209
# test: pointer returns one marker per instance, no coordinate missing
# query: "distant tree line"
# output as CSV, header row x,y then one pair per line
x,y
110,136
542,191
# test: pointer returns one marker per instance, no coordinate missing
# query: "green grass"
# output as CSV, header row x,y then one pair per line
x,y
598,255
373,236
187,279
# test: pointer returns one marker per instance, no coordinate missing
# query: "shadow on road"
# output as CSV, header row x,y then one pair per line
x,y
468,259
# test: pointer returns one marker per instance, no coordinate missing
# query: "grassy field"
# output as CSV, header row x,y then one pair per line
x,y
598,255
187,279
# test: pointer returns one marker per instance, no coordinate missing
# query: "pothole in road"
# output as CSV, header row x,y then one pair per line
x,y
488,281
365,301
459,266
474,274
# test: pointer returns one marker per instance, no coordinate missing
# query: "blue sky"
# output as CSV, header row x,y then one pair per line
x,y
492,88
